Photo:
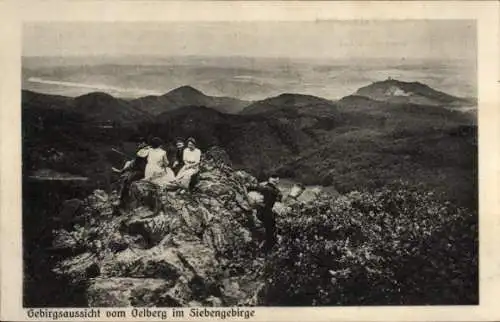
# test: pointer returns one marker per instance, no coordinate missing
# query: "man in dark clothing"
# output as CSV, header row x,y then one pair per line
x,y
133,170
265,213
178,160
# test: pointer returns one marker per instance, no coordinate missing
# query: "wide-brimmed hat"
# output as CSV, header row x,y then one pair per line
x,y
142,153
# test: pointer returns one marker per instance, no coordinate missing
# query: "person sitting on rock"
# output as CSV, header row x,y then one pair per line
x,y
191,156
157,170
178,162
270,195
133,170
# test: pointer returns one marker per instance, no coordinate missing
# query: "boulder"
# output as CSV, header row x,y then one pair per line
x,y
179,295
152,228
144,193
99,203
79,268
246,290
193,220
151,263
209,187
232,294
63,241
189,260
212,301
214,238
198,258
194,304
126,292
243,202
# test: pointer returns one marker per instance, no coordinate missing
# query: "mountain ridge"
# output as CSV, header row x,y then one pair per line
x,y
303,137
187,96
392,90
388,91
285,100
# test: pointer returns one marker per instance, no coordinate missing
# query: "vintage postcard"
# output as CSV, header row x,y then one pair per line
x,y
260,161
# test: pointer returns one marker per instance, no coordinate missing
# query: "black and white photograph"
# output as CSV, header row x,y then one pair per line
x,y
249,163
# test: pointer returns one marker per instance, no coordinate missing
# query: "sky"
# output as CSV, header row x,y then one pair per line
x,y
418,39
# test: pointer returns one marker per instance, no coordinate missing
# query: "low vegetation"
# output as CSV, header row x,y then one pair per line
x,y
398,245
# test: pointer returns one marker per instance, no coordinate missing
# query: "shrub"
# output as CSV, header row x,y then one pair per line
x,y
395,246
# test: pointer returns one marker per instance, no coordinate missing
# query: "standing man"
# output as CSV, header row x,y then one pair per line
x,y
271,194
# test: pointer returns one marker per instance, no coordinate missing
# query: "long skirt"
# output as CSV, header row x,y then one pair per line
x,y
184,176
163,178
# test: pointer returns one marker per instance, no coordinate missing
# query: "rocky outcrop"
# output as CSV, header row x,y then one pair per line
x,y
123,292
165,248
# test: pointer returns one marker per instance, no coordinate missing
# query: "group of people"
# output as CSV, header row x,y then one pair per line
x,y
152,164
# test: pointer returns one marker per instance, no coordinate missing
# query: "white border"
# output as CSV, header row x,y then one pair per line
x,y
13,14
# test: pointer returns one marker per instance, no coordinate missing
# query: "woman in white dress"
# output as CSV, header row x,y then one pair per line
x,y
191,157
157,170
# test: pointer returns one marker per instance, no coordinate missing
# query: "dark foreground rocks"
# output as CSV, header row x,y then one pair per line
x,y
164,248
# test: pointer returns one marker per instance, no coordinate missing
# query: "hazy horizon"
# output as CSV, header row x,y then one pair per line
x,y
247,60
244,78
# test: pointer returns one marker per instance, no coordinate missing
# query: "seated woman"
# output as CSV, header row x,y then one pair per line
x,y
157,170
191,157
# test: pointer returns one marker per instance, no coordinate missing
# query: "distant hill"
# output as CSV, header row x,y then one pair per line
x,y
32,99
287,101
102,107
395,91
187,96
94,107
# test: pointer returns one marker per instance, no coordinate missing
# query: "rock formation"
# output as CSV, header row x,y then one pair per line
x,y
165,248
